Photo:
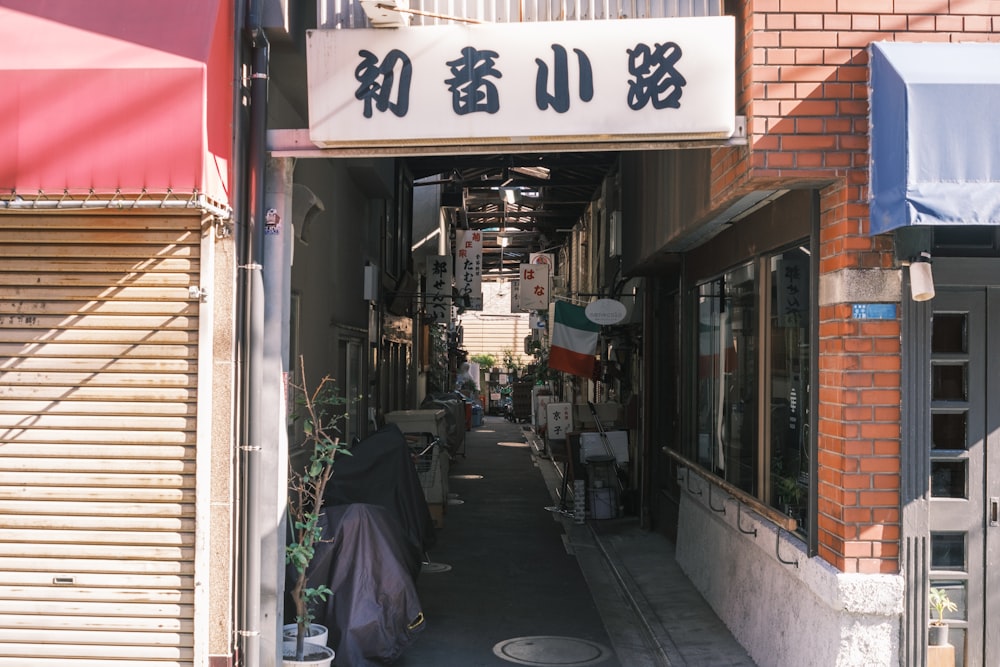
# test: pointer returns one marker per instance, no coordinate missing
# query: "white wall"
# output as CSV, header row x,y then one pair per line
x,y
805,613
495,328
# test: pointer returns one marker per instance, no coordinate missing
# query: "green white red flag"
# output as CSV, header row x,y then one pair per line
x,y
574,340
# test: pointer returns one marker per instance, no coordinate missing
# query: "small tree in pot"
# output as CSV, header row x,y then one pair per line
x,y
316,412
940,603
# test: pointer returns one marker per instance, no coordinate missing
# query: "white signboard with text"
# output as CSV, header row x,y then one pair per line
x,y
534,287
439,277
553,81
469,268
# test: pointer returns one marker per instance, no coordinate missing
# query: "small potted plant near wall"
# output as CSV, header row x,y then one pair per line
x,y
309,473
937,634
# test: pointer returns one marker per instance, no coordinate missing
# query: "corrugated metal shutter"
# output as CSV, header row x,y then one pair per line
x,y
483,334
98,357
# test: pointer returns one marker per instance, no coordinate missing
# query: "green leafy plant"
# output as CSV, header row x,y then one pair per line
x,y
511,363
788,489
940,603
485,361
317,414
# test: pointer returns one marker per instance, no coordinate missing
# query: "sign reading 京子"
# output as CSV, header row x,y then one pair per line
x,y
543,82
605,311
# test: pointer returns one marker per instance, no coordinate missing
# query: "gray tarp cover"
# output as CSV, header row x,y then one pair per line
x,y
380,471
377,530
374,612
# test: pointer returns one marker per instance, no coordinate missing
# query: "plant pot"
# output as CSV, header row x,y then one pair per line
x,y
316,634
315,655
937,635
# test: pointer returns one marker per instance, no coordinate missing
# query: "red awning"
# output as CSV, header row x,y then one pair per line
x,y
115,95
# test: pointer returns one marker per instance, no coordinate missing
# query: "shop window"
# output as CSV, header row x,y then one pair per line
x,y
727,344
753,379
788,382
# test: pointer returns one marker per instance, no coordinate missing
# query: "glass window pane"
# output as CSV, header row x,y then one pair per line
x,y
957,635
948,479
708,371
948,551
726,372
948,430
948,382
956,591
948,334
788,376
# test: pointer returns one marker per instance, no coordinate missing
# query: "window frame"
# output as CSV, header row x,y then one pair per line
x,y
792,221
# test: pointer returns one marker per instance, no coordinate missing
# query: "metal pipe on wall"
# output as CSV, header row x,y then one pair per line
x,y
251,323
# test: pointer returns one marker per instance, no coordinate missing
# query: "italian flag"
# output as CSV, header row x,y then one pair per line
x,y
574,340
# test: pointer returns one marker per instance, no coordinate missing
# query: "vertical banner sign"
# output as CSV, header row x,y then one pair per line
x,y
469,267
515,297
547,259
793,285
439,274
534,284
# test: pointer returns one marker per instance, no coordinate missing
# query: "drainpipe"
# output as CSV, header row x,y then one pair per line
x,y
250,352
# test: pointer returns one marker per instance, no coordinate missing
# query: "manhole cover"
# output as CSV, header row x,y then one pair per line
x,y
551,651
435,568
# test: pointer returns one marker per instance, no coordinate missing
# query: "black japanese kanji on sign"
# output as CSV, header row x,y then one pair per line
x,y
377,81
469,85
657,80
559,98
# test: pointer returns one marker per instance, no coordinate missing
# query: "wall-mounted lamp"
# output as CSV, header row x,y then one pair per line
x,y
921,278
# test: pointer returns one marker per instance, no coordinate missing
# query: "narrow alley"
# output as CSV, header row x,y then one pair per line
x,y
512,582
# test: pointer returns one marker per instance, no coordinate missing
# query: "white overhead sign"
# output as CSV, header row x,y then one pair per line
x,y
554,81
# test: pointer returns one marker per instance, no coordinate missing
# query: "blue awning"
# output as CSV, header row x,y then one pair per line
x,y
934,134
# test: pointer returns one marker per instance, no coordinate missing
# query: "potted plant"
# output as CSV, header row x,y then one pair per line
x,y
789,494
310,469
937,634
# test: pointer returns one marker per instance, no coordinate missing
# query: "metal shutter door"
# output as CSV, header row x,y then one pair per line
x,y
98,357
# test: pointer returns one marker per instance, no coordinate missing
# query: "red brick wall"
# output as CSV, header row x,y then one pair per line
x,y
802,73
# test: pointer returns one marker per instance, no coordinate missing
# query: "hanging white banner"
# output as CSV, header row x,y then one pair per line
x,y
515,297
551,81
534,286
439,274
469,268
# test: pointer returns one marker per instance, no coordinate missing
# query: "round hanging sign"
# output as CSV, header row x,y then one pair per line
x,y
605,311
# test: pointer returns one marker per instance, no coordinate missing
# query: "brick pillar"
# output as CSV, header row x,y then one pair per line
x,y
858,425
